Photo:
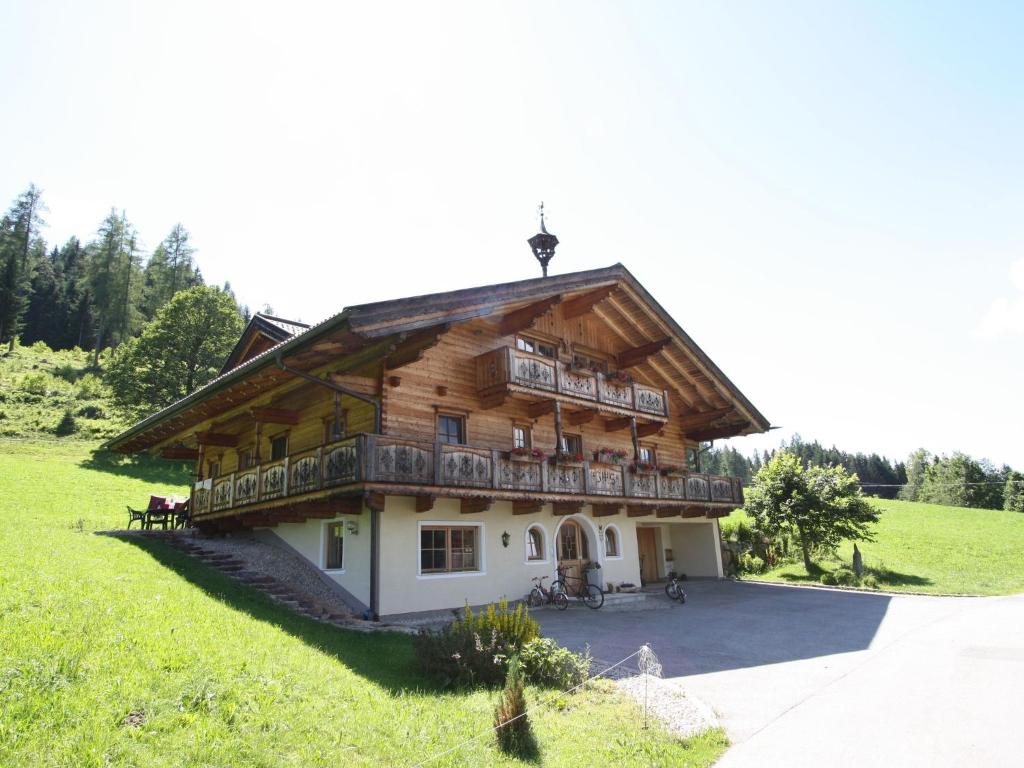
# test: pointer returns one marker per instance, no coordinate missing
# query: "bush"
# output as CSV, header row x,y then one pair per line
x,y
66,426
869,581
35,383
91,412
751,563
511,723
475,648
546,663
90,386
828,579
845,577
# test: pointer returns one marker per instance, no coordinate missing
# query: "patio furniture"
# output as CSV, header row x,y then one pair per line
x,y
136,514
180,514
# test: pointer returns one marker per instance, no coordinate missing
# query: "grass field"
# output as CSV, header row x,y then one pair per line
x,y
931,548
120,654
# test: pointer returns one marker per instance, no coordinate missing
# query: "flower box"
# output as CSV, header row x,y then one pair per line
x,y
610,455
642,466
618,377
527,454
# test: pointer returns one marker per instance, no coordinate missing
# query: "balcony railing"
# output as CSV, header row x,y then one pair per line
x,y
390,460
507,367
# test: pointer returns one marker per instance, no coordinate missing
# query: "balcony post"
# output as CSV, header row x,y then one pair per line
x,y
369,458
635,438
437,462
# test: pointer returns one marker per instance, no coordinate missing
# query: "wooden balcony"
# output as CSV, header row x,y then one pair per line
x,y
507,371
410,467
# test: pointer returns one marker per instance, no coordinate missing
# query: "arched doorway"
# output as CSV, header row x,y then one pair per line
x,y
573,551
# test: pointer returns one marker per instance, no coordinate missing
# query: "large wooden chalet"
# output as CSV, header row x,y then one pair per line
x,y
435,450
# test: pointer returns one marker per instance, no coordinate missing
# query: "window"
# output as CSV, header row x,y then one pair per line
x,y
214,468
572,445
521,437
693,459
448,549
647,455
535,543
329,426
535,347
244,459
278,447
334,559
589,362
611,542
451,429
572,543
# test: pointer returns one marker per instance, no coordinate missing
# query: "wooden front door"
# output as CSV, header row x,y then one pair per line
x,y
573,552
648,547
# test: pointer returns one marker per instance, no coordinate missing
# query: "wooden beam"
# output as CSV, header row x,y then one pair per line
x,y
605,510
524,317
374,501
701,419
614,425
495,400
274,415
713,513
411,350
473,506
690,512
582,417
180,452
542,408
667,512
730,430
580,305
216,438
639,510
425,503
349,505
562,508
526,507
646,430
636,355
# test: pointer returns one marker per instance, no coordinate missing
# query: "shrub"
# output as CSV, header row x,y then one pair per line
x,y
869,581
90,386
546,663
35,383
91,412
845,577
67,372
66,426
474,649
511,723
751,563
828,579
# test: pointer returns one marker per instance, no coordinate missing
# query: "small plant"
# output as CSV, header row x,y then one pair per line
x,y
35,383
66,426
91,412
567,458
533,453
750,563
611,455
511,723
845,577
548,664
869,581
90,387
828,579
642,466
670,470
619,377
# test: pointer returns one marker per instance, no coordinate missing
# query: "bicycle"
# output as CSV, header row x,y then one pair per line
x,y
675,590
589,594
539,596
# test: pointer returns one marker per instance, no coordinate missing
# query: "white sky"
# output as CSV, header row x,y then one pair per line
x,y
826,196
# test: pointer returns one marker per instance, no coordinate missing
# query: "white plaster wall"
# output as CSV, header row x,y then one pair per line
x,y
695,546
309,538
506,571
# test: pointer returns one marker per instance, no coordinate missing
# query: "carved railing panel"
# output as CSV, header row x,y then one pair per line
x,y
697,488
222,488
341,463
721,489
672,487
465,467
519,475
274,479
304,472
643,485
403,462
620,395
577,383
566,478
650,400
605,479
201,497
531,372
247,487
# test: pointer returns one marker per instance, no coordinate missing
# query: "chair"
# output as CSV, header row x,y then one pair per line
x,y
157,513
180,515
136,514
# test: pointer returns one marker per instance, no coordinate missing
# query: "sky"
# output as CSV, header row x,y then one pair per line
x,y
827,196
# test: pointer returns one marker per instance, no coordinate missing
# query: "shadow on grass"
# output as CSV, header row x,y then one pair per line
x,y
140,467
385,658
886,577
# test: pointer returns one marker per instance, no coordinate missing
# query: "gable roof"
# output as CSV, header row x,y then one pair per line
x,y
273,330
374,331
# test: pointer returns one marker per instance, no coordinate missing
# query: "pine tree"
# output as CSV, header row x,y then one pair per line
x,y
1013,493
915,470
170,269
111,272
19,242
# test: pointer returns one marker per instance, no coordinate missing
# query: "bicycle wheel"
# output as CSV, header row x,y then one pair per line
x,y
672,590
592,596
682,596
558,587
536,598
561,601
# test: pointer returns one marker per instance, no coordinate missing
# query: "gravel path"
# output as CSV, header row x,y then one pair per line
x,y
667,700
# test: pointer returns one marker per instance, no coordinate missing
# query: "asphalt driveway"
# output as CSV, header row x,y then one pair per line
x,y
820,677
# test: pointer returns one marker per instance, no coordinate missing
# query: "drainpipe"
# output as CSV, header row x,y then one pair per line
x,y
338,390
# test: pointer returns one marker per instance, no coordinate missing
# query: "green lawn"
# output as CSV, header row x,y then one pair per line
x,y
121,654
931,548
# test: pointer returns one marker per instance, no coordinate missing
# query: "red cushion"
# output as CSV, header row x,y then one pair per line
x,y
157,502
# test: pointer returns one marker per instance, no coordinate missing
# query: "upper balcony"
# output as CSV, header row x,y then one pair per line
x,y
507,371
382,465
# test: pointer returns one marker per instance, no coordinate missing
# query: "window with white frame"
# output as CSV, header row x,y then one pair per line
x,y
521,437
449,549
334,546
611,542
535,543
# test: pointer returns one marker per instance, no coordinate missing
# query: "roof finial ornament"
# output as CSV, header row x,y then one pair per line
x,y
543,244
